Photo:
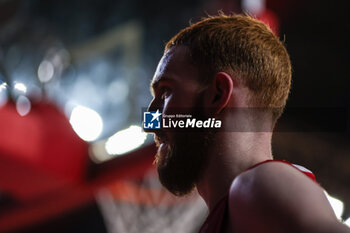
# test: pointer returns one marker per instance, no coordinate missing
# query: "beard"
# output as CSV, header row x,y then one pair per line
x,y
182,163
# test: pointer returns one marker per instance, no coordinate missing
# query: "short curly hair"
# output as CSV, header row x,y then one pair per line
x,y
245,48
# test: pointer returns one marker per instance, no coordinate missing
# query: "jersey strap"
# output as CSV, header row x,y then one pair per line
x,y
302,169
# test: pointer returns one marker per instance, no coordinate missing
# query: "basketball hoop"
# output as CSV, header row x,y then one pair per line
x,y
143,205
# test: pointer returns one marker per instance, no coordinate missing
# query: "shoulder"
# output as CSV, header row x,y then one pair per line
x,y
276,196
272,176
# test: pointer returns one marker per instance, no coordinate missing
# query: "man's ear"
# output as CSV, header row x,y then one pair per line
x,y
222,91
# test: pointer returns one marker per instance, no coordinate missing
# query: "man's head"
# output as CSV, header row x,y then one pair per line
x,y
206,65
247,50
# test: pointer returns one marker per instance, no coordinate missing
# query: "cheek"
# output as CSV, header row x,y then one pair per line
x,y
174,105
180,100
169,106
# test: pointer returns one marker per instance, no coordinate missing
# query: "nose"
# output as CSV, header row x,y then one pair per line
x,y
153,107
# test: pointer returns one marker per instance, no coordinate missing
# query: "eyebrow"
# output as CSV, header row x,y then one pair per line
x,y
154,84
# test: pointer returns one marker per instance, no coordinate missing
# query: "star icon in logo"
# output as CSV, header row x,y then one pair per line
x,y
156,115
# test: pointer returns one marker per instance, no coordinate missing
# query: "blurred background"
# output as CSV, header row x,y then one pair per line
x,y
74,78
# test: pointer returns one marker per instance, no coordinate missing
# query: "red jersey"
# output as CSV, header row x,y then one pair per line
x,y
214,222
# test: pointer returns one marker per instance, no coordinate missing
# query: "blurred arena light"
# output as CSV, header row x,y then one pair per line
x,y
254,7
23,105
125,140
3,93
45,71
86,122
337,205
347,222
121,87
20,87
3,85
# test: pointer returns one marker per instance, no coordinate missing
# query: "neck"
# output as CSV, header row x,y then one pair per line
x,y
232,153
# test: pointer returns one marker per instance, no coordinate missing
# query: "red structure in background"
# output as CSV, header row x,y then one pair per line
x,y
45,167
42,140
269,18
267,13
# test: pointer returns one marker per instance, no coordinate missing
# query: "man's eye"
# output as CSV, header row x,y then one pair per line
x,y
165,92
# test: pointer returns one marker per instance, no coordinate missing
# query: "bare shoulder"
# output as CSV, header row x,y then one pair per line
x,y
276,197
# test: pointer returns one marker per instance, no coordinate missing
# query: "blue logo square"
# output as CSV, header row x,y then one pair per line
x,y
152,120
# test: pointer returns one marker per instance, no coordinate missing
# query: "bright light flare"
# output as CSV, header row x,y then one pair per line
x,y
3,86
125,140
337,205
3,94
347,222
20,87
45,71
86,122
254,7
23,105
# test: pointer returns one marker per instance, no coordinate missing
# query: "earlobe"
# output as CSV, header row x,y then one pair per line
x,y
223,87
